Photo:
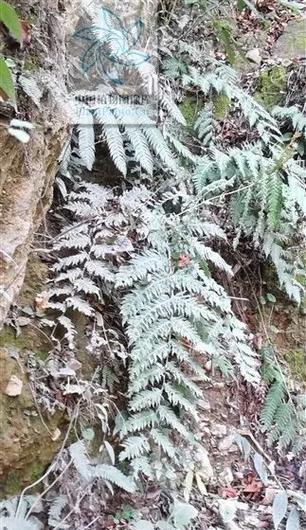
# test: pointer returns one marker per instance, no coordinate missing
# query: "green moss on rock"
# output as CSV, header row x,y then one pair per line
x,y
30,339
292,43
26,444
8,338
224,32
13,485
222,105
271,87
35,281
189,110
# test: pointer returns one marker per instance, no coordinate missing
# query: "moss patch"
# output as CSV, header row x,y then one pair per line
x,y
222,105
300,41
13,484
271,87
26,445
8,338
224,32
31,64
189,110
30,339
34,282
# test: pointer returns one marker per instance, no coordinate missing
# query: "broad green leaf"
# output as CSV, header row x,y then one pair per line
x,y
261,468
6,80
295,6
244,446
279,508
200,484
182,514
10,19
242,4
300,149
164,525
293,521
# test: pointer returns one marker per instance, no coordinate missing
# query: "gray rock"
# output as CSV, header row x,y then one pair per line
x,y
219,430
14,386
226,443
292,43
251,46
254,55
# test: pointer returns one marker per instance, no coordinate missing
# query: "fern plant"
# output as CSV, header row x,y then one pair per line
x,y
130,131
102,233
266,180
14,514
283,417
180,518
124,130
221,79
15,523
268,204
175,313
55,511
90,472
294,116
205,125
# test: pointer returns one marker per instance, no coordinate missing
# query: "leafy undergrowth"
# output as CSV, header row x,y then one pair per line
x,y
162,327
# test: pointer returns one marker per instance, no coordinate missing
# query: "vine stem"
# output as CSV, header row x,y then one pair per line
x,y
91,523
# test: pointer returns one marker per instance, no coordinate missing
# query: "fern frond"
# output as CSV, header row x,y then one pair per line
x,y
281,416
160,148
294,115
114,476
163,441
56,509
275,200
173,110
204,125
274,398
91,472
86,137
134,446
16,523
163,311
81,460
140,147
